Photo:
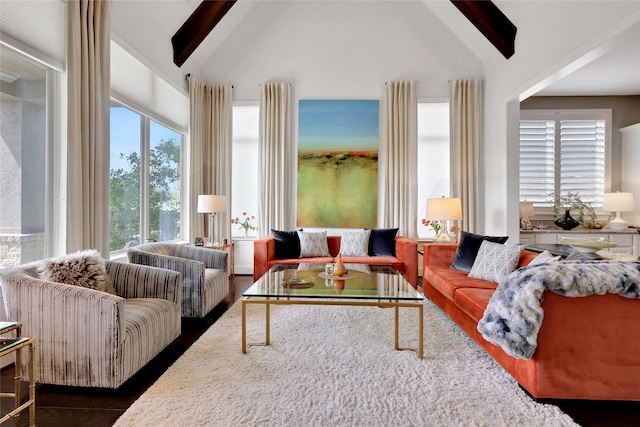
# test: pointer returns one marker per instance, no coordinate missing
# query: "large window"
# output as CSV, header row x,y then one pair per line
x,y
564,152
244,180
433,158
23,136
144,180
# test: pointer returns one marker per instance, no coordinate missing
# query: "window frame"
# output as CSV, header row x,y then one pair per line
x,y
559,115
145,172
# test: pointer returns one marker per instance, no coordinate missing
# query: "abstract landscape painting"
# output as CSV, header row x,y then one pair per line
x,y
337,163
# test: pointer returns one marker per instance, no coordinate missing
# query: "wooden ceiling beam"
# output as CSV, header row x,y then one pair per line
x,y
491,22
196,28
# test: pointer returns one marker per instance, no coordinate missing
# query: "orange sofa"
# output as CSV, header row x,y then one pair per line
x,y
587,348
405,261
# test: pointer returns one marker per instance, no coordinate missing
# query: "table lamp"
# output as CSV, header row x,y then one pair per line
x,y
618,202
444,209
210,204
526,210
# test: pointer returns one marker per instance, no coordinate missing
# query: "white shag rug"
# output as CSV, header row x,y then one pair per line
x,y
336,366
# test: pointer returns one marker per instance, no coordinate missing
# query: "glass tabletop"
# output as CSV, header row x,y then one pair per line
x,y
362,281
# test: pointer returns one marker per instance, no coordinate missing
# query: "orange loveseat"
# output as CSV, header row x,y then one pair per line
x,y
587,348
405,261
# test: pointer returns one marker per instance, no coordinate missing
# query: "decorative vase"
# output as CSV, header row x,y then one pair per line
x,y
566,222
338,267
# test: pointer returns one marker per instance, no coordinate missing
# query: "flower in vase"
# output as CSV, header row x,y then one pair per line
x,y
245,223
435,225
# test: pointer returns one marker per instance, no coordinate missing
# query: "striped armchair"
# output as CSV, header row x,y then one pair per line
x,y
88,338
205,281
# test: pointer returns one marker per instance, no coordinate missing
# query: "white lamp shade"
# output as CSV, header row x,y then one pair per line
x,y
209,203
444,208
618,202
526,209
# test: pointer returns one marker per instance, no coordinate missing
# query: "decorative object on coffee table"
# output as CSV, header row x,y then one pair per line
x,y
588,245
339,268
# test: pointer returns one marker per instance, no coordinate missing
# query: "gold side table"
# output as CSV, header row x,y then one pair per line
x,y
15,346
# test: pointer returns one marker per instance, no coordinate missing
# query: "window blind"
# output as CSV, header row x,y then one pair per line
x,y
35,28
582,159
564,151
537,160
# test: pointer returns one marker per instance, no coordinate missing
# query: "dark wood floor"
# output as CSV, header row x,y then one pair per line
x,y
68,406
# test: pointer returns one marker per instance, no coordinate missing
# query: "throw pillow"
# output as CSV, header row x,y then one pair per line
x,y
287,244
468,249
355,243
544,257
495,261
382,242
313,244
83,268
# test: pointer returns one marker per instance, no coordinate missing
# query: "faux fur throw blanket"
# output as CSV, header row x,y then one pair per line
x,y
514,314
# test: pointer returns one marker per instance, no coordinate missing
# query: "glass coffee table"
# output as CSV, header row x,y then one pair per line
x,y
363,285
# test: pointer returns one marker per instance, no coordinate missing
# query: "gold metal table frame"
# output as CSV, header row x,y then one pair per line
x,y
267,301
15,346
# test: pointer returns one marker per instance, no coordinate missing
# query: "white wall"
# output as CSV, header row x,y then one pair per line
x,y
553,38
348,49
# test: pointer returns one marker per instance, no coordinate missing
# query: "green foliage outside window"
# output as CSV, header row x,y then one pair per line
x,y
164,201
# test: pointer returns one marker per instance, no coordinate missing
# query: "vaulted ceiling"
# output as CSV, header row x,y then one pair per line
x,y
621,62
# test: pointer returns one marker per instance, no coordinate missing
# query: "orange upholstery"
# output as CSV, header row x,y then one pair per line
x,y
405,261
587,347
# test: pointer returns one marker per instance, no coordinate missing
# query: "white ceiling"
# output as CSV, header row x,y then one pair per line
x,y
617,72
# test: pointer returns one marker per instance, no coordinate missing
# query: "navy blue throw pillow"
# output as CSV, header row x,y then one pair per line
x,y
382,242
469,247
287,244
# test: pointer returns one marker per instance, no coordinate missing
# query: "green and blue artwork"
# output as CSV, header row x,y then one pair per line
x,y
337,163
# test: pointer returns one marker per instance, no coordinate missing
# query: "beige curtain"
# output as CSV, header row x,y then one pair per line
x,y
276,201
400,167
88,97
466,107
210,130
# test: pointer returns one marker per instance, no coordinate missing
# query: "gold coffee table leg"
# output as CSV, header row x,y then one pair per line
x,y
267,326
244,327
420,329
397,343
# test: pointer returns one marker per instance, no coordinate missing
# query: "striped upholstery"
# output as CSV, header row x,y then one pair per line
x,y
88,338
205,282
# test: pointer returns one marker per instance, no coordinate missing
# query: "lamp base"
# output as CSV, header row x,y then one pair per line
x,y
618,224
445,237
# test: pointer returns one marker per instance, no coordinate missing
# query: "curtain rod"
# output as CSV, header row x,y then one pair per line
x,y
262,84
188,76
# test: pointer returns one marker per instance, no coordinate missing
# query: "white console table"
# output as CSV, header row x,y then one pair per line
x,y
628,241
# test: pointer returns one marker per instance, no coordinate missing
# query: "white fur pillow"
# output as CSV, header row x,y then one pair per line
x,y
83,268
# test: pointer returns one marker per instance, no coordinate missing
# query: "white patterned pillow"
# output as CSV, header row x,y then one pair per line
x,y
313,244
495,261
544,257
355,243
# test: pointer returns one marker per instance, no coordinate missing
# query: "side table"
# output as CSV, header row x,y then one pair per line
x,y
15,346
